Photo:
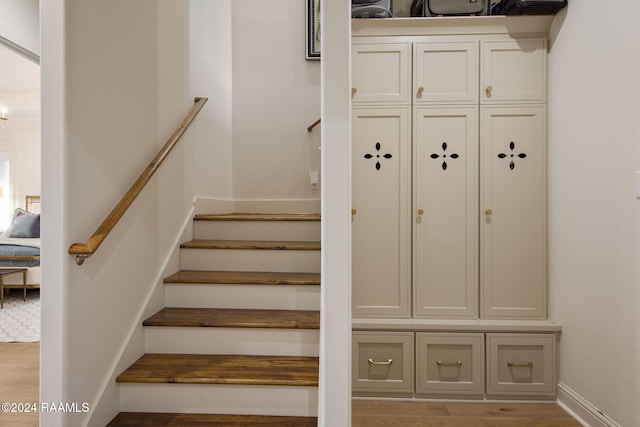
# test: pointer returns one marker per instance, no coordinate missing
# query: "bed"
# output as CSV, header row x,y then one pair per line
x,y
20,245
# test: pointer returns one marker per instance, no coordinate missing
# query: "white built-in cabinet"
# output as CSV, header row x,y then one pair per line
x,y
449,200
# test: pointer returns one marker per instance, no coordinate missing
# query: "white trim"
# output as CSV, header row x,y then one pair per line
x,y
581,409
128,343
54,344
453,25
25,53
334,392
460,325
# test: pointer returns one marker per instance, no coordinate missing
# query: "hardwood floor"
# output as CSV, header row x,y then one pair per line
x,y
19,381
376,413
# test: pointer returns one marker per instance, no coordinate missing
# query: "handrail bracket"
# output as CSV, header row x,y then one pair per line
x,y
81,257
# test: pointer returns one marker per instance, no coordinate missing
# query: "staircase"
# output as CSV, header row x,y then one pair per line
x,y
237,343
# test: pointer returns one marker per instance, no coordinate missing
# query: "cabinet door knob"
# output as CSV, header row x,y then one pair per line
x,y
420,90
353,211
488,212
354,90
488,90
420,211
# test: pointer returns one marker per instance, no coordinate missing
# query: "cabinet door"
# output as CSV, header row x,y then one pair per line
x,y
513,224
514,71
381,73
381,200
446,212
446,72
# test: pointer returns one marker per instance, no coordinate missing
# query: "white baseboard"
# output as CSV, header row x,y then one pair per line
x,y
581,409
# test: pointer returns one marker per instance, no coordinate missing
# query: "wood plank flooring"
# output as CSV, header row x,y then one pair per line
x,y
258,217
235,318
380,413
251,244
223,369
129,419
243,278
19,381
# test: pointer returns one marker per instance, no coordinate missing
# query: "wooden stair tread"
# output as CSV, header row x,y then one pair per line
x,y
251,244
150,419
235,318
222,369
258,217
243,278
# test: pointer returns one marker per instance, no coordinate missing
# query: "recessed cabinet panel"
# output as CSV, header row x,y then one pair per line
x,y
381,201
521,365
514,71
446,72
383,362
445,215
450,363
513,218
381,73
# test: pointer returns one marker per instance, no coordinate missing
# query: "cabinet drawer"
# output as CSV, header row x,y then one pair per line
x,y
383,362
521,365
450,363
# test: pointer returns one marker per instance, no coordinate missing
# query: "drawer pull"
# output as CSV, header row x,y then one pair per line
x,y
520,365
388,362
441,363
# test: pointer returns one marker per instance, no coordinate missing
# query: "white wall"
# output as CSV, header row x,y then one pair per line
x,y
20,94
210,76
276,95
110,100
594,215
21,140
20,23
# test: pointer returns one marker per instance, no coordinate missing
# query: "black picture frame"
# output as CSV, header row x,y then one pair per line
x,y
313,30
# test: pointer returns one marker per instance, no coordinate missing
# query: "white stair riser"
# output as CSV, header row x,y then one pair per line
x,y
250,260
249,341
272,297
219,398
298,231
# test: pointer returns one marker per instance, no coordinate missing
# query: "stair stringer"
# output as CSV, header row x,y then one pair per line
x,y
108,396
100,412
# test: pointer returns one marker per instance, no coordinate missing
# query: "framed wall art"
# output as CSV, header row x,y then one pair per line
x,y
313,29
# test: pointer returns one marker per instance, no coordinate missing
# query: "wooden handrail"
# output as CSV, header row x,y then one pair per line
x,y
314,124
85,250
